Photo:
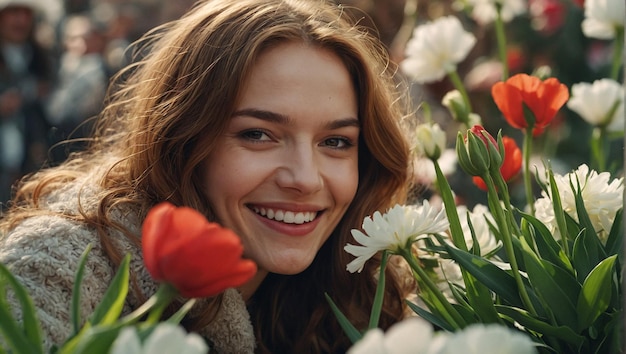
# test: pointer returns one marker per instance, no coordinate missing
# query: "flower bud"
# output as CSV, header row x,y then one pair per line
x,y
431,140
479,152
453,101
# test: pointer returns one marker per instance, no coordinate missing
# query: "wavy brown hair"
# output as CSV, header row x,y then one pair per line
x,y
163,119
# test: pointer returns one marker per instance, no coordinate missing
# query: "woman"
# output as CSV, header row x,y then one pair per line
x,y
277,119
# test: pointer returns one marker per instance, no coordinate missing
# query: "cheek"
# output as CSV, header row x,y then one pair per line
x,y
344,183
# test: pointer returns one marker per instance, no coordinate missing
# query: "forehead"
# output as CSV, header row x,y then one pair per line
x,y
295,76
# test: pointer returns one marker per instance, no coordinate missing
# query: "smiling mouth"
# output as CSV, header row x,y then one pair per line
x,y
285,216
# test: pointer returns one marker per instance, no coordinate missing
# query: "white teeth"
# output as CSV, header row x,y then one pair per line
x,y
288,217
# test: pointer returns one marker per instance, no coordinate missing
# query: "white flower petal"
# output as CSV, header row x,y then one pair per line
x,y
371,343
127,342
603,17
436,48
169,338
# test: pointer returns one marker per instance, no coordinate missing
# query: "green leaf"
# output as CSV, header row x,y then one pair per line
x,y
547,246
110,308
182,311
98,339
435,320
555,286
496,279
532,324
30,321
345,324
557,207
615,240
588,250
595,296
13,333
78,279
587,253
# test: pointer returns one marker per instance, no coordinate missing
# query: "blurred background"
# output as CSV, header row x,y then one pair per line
x,y
59,55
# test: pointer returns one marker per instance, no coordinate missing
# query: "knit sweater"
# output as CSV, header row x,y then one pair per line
x,y
43,253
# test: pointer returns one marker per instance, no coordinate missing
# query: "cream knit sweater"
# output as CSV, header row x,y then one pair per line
x,y
43,253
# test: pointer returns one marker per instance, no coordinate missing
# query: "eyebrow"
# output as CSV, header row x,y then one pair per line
x,y
278,118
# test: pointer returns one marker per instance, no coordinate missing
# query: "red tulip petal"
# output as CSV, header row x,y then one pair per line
x,y
243,271
509,100
479,183
512,163
154,228
200,261
554,95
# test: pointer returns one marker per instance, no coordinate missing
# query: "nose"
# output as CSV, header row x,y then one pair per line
x,y
300,171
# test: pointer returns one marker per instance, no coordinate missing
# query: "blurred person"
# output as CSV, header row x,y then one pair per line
x,y
80,88
25,76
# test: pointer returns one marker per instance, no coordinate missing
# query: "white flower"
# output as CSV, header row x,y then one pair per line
x,y
593,103
602,199
431,140
436,48
488,339
411,336
484,11
396,229
166,338
603,18
478,216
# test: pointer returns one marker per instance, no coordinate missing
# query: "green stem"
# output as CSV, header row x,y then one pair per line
x,y
456,230
503,188
380,291
458,84
451,314
597,148
155,304
501,38
527,150
618,48
507,240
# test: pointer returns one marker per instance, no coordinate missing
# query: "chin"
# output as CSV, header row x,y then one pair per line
x,y
290,267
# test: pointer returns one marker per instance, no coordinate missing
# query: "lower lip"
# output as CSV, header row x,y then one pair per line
x,y
289,229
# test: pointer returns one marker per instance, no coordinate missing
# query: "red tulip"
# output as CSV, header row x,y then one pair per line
x,y
199,258
510,166
543,99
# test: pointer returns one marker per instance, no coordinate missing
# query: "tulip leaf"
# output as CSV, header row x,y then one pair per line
x,y
496,279
353,334
30,323
595,296
13,333
588,250
615,240
554,285
110,308
586,254
78,279
547,246
557,208
182,311
435,320
98,339
526,320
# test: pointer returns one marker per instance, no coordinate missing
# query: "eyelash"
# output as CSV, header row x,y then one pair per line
x,y
248,135
347,143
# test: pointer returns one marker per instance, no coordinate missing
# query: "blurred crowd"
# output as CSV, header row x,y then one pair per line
x,y
56,60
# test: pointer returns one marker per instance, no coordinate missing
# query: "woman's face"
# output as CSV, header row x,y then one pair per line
x,y
286,169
